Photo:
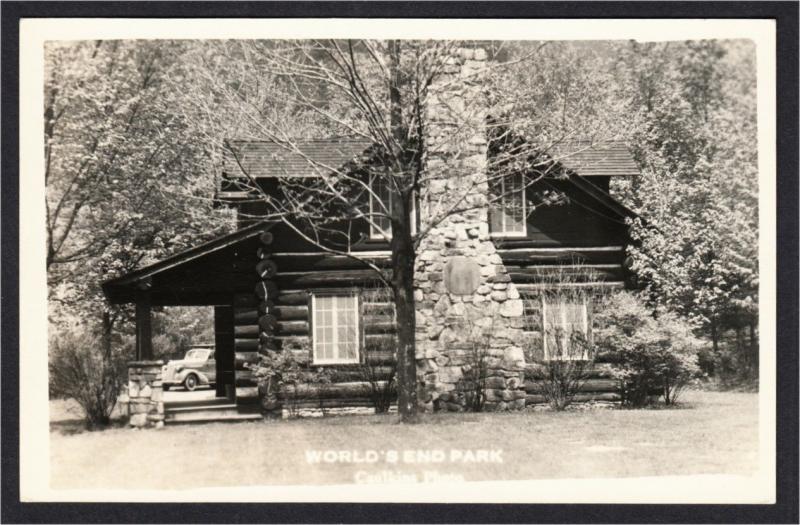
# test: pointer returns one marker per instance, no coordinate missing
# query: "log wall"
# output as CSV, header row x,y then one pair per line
x,y
276,316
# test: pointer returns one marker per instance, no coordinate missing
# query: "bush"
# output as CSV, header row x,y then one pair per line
x,y
278,375
561,377
382,386
82,368
655,352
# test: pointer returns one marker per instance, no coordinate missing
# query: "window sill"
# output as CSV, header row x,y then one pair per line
x,y
334,363
520,235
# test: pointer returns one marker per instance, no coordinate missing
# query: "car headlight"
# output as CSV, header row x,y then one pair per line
x,y
178,368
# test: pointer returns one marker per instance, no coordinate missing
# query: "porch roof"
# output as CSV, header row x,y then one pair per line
x,y
204,275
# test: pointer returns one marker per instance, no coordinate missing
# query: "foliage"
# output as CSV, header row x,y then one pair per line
x,y
561,376
83,370
125,175
471,388
177,329
279,373
696,248
381,378
654,351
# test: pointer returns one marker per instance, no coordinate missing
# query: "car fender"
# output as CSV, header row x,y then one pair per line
x,y
201,377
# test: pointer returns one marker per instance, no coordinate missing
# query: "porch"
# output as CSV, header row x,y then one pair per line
x,y
220,274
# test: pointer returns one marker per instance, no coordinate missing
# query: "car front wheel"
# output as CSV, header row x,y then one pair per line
x,y
190,383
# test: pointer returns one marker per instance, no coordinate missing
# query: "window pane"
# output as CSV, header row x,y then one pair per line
x,y
381,205
507,208
336,328
516,205
563,319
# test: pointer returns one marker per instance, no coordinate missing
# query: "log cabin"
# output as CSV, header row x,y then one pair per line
x,y
490,274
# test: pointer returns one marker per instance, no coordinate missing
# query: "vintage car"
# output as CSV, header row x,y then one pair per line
x,y
197,368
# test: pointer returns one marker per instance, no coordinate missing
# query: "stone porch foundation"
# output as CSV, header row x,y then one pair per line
x,y
145,394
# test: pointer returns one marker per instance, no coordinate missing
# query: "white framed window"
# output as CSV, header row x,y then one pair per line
x,y
566,322
336,336
507,214
380,207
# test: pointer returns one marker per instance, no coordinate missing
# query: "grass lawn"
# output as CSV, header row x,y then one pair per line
x,y
711,433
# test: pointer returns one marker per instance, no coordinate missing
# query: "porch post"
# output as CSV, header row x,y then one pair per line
x,y
223,345
144,330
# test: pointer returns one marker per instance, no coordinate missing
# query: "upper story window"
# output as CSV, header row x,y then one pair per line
x,y
507,206
380,208
381,204
566,323
336,330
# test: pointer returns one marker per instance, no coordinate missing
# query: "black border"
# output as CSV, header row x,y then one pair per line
x,y
786,509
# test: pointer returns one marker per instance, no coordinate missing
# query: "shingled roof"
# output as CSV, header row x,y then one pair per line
x,y
302,158
309,158
598,159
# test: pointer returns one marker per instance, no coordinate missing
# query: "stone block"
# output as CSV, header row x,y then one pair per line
x,y
442,360
517,404
138,420
499,296
512,308
493,395
434,332
146,392
501,286
513,293
139,408
133,389
514,356
499,278
155,417
495,382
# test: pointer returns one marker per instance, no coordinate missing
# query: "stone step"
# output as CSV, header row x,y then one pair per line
x,y
209,416
209,413
202,407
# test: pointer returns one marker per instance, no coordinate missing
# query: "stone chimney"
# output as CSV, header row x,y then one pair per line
x,y
469,313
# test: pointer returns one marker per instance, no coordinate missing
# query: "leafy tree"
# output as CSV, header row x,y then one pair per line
x,y
697,247
124,177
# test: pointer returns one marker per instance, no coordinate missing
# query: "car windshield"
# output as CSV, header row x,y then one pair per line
x,y
197,354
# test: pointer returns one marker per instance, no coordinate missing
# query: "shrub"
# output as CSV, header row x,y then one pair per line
x,y
472,385
85,370
559,378
380,377
381,380
655,352
279,374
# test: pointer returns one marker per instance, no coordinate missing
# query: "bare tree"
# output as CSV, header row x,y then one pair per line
x,y
418,104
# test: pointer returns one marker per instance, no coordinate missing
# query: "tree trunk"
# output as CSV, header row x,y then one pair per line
x,y
403,287
753,350
108,326
714,336
402,246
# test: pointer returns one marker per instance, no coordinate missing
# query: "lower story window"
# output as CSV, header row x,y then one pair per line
x,y
336,331
567,327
